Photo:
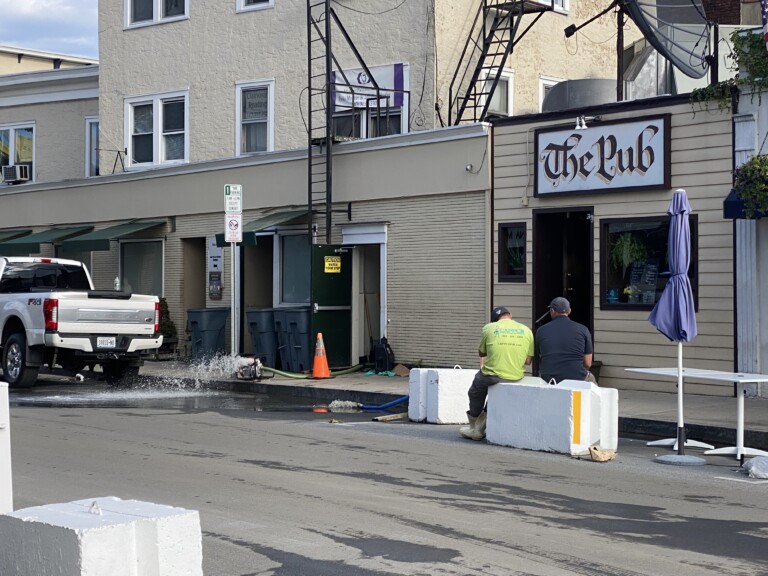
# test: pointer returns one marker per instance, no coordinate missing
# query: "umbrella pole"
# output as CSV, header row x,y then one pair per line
x,y
680,423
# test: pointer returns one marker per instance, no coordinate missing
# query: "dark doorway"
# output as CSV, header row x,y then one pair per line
x,y
563,261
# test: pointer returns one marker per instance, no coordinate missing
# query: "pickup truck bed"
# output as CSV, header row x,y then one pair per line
x,y
51,315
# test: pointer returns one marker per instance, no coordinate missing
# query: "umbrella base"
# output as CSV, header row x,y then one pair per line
x,y
680,460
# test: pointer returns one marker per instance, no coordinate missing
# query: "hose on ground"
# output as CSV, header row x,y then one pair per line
x,y
385,405
307,376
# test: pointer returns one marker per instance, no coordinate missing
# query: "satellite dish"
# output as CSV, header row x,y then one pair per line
x,y
678,29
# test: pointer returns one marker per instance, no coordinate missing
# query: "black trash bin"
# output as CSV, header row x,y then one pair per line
x,y
292,327
261,326
206,326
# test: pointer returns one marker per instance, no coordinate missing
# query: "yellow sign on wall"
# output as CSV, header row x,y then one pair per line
x,y
332,264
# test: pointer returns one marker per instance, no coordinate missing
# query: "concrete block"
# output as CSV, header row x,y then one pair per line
x,y
100,536
447,400
6,484
568,417
417,394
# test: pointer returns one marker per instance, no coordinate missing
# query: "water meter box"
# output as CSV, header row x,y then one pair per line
x,y
383,356
206,326
261,326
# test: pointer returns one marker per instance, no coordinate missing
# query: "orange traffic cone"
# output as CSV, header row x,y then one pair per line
x,y
320,367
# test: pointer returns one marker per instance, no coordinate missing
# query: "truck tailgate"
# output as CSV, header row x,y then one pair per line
x,y
79,314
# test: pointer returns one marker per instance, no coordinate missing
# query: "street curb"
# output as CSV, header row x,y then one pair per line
x,y
711,434
325,395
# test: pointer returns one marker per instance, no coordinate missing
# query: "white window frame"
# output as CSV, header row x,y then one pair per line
x,y
241,6
562,6
88,121
546,82
269,84
509,76
157,14
12,144
158,150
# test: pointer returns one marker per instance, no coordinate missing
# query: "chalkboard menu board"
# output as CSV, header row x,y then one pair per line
x,y
642,280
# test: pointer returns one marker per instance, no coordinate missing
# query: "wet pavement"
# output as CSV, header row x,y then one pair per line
x,y
213,385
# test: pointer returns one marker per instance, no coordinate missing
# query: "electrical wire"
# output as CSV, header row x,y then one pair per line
x,y
340,5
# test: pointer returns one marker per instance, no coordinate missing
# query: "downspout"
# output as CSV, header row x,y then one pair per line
x,y
492,221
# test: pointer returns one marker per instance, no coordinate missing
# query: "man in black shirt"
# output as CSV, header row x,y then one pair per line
x,y
564,347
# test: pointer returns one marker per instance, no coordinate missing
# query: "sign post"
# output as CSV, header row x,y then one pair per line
x,y
233,233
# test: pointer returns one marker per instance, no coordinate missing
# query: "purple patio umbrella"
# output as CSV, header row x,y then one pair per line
x,y
674,314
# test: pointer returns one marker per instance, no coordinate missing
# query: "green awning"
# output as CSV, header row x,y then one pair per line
x,y
31,244
100,239
10,234
251,229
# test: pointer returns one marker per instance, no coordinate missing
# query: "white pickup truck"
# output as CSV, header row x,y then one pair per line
x,y
51,315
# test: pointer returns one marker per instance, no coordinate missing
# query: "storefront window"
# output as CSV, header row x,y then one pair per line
x,y
634,267
512,252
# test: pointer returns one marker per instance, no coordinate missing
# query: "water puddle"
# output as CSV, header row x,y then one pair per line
x,y
172,385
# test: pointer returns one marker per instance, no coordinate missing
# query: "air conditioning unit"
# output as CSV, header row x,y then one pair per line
x,y
12,174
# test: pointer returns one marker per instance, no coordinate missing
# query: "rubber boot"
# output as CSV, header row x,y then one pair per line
x,y
468,431
480,423
476,428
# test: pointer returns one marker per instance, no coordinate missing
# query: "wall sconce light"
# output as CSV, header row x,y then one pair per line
x,y
581,123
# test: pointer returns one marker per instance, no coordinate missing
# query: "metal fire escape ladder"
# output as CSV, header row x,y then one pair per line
x,y
319,117
492,37
320,98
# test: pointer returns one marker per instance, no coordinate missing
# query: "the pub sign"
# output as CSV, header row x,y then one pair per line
x,y
620,155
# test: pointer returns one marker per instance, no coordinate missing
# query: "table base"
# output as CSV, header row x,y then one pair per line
x,y
673,443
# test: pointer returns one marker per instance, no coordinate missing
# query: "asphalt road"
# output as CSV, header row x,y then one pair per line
x,y
288,493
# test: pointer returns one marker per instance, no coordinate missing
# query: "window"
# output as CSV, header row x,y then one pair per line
x,y
545,85
17,146
91,146
156,129
139,12
512,252
561,5
25,276
247,5
501,101
141,267
294,268
255,117
633,261
362,123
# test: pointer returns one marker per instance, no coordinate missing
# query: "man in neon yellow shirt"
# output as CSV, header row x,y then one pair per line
x,y
506,347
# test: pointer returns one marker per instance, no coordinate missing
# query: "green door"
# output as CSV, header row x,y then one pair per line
x,y
331,299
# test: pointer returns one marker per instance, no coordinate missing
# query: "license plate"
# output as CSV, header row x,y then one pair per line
x,y
105,342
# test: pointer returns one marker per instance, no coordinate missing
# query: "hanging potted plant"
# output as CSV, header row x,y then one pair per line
x,y
751,185
627,250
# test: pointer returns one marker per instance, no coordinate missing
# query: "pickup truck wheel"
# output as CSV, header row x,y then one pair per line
x,y
120,374
15,369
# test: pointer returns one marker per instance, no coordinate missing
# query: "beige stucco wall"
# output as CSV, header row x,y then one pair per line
x,y
701,152
207,55
59,135
216,47
542,51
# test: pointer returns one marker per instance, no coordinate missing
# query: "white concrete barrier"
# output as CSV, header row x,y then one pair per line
x,y
99,537
417,394
6,483
439,395
568,417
